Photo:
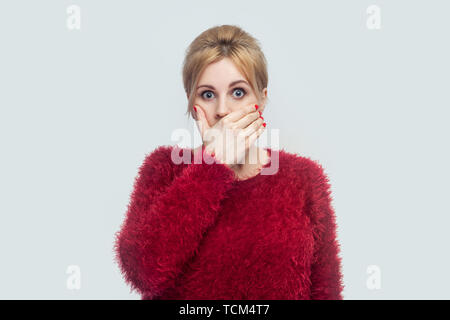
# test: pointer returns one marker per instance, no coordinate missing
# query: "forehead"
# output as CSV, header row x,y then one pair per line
x,y
220,73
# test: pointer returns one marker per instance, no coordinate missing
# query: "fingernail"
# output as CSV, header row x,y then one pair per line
x,y
264,124
260,113
195,109
261,117
256,107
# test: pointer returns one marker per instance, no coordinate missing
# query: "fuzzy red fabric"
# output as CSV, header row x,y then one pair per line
x,y
192,231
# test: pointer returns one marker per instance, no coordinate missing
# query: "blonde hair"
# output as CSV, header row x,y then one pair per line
x,y
220,42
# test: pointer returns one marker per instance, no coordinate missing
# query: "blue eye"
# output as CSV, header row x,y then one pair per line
x,y
242,90
207,91
208,94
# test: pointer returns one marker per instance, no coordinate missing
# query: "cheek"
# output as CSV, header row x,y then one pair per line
x,y
209,116
207,111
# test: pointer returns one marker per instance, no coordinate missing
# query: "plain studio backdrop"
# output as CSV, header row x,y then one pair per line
x,y
80,109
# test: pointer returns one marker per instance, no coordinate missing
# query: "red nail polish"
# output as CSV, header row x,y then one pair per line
x,y
256,107
261,117
264,124
260,113
195,109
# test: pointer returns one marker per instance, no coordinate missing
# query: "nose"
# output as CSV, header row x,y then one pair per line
x,y
222,109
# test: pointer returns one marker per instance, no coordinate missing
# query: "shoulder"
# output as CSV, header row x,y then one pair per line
x,y
160,165
309,178
167,156
158,154
305,170
312,185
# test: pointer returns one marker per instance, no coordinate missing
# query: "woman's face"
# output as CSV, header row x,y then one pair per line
x,y
222,89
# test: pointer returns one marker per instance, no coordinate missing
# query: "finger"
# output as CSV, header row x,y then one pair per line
x,y
253,127
201,121
238,114
247,120
252,138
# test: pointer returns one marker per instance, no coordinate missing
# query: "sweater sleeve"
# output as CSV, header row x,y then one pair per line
x,y
326,273
166,219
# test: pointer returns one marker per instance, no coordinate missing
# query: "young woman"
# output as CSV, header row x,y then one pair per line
x,y
221,226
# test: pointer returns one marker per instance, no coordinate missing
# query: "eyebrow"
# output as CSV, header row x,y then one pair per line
x,y
231,84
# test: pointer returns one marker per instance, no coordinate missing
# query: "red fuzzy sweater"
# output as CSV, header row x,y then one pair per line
x,y
192,231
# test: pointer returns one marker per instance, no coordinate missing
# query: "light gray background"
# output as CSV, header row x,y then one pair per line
x,y
81,108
